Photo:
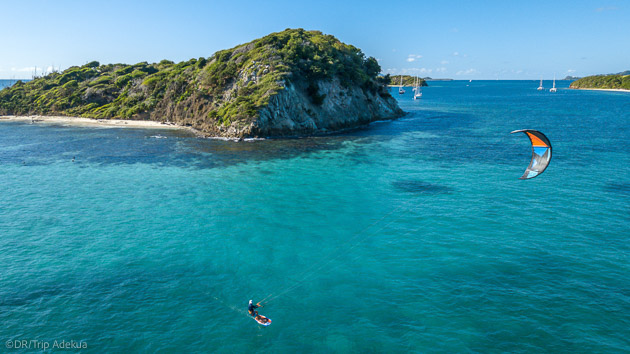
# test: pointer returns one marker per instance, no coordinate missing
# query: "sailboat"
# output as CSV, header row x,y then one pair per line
x,y
553,89
417,91
540,88
401,90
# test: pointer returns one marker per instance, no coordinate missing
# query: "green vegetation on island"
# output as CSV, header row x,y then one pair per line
x,y
228,88
407,80
612,81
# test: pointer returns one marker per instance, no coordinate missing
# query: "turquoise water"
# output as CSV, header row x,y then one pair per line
x,y
410,235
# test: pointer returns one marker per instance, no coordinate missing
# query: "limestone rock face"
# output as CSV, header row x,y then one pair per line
x,y
292,112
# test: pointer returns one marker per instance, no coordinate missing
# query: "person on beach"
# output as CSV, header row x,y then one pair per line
x,y
252,308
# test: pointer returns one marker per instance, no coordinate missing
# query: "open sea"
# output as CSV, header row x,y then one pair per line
x,y
413,235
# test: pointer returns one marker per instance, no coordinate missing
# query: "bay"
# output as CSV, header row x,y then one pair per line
x,y
408,235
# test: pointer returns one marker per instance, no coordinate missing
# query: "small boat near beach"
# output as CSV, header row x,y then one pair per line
x,y
417,91
553,89
540,88
401,90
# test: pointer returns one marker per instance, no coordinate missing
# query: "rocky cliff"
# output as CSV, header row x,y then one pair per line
x,y
291,112
290,83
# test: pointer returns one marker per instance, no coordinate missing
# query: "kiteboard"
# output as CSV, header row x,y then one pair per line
x,y
262,320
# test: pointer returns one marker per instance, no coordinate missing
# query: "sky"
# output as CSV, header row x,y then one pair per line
x,y
487,39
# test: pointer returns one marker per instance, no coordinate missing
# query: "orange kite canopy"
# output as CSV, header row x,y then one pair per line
x,y
541,153
536,141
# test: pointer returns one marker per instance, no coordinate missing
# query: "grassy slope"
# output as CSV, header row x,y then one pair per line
x,y
407,80
615,81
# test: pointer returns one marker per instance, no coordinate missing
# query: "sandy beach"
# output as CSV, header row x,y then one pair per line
x,y
89,122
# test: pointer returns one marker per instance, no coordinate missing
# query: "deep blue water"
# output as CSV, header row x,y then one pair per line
x,y
410,235
5,83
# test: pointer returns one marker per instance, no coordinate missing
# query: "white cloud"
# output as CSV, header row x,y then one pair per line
x,y
608,8
31,69
440,70
420,71
467,72
23,70
444,62
409,71
455,54
413,57
570,71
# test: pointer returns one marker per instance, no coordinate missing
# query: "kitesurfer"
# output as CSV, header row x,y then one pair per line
x,y
252,308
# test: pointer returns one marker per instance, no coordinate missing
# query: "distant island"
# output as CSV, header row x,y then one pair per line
x,y
569,77
289,83
407,80
620,81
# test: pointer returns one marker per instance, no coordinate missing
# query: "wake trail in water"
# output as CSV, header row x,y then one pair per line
x,y
234,308
315,270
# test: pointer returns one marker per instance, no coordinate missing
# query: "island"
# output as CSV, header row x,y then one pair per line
x,y
616,82
289,83
432,79
407,80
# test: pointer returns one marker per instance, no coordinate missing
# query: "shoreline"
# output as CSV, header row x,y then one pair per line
x,y
598,89
149,124
91,122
